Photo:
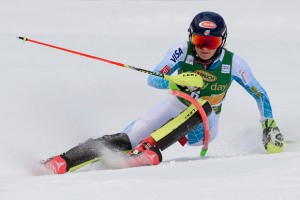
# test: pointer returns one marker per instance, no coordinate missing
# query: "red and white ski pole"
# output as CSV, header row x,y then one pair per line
x,y
25,39
174,92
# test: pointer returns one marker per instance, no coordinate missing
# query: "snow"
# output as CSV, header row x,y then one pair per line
x,y
52,100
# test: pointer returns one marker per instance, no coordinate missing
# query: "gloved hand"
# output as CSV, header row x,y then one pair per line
x,y
272,138
187,80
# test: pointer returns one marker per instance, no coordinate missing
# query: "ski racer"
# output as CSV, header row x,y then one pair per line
x,y
204,54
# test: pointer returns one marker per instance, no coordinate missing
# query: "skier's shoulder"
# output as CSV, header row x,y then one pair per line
x,y
177,52
237,61
240,69
183,45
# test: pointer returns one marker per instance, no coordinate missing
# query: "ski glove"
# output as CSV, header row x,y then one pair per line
x,y
185,81
272,138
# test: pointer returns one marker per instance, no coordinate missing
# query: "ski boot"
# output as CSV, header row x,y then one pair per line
x,y
145,154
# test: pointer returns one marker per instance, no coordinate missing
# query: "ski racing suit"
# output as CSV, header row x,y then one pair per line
x,y
181,58
217,80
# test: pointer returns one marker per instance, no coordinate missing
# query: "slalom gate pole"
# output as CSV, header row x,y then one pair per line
x,y
174,92
203,116
25,39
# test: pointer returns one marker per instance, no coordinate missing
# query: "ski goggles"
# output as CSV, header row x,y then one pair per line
x,y
210,42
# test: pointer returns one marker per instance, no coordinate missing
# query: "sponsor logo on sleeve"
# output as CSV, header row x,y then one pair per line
x,y
244,76
255,91
177,53
165,70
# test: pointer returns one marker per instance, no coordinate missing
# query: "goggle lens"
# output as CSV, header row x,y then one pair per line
x,y
210,42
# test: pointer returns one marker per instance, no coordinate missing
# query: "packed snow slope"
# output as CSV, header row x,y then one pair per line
x,y
52,100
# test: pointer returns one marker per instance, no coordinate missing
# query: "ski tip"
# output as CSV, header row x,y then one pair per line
x,y
22,38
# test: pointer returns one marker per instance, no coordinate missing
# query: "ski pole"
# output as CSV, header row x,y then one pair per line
x,y
167,77
25,39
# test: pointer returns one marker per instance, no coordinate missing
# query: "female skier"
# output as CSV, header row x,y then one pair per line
x,y
204,55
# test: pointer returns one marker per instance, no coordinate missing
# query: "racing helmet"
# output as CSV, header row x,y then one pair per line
x,y
209,24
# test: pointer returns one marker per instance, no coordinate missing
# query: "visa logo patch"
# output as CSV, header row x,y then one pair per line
x,y
177,53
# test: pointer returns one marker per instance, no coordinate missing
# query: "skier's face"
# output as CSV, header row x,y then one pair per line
x,y
206,46
204,53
